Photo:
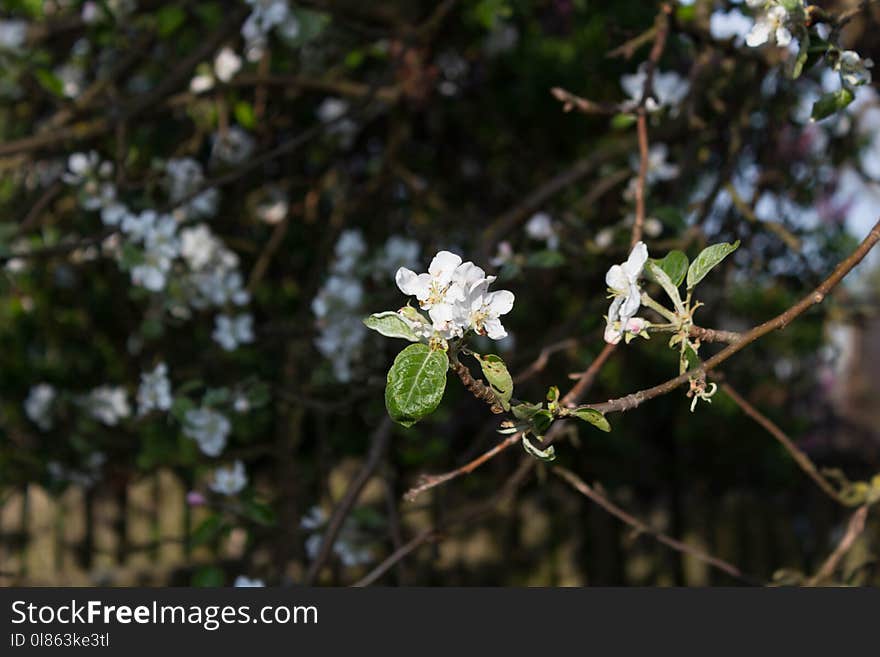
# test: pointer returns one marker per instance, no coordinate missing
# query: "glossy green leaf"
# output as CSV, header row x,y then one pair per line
x,y
831,102
675,264
391,325
592,416
416,383
707,260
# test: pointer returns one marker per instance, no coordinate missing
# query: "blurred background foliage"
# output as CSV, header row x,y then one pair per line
x,y
448,137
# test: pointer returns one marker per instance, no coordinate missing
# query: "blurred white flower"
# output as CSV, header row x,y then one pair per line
x,y
730,25
246,582
669,88
230,332
208,428
771,26
540,227
854,71
226,64
232,146
154,392
38,405
108,404
13,34
229,480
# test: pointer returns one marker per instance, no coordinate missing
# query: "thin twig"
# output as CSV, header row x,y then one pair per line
x,y
379,442
854,529
593,495
800,458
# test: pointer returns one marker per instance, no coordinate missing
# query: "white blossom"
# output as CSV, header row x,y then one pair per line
x,y
108,404
184,180
730,25
246,582
38,405
623,286
232,146
396,253
13,34
540,227
348,546
669,88
854,71
229,480
771,26
154,392
226,64
230,332
209,428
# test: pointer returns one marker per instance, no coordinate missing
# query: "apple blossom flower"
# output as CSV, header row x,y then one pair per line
x,y
230,332
13,34
154,391
480,310
246,582
226,64
622,281
669,88
38,405
854,71
209,428
432,288
108,404
540,227
773,25
229,480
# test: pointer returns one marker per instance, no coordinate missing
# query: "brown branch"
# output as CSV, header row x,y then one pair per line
x,y
714,335
427,482
379,442
800,458
468,516
477,388
853,530
779,322
643,528
543,358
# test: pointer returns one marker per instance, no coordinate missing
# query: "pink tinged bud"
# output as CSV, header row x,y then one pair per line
x,y
612,335
195,498
636,325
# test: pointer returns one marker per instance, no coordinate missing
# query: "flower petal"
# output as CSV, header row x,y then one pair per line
x,y
443,266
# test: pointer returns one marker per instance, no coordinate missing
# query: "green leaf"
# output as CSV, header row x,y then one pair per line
x,y
707,260
525,410
831,102
592,416
311,24
49,81
661,277
391,325
548,454
416,383
244,114
545,259
168,19
498,377
259,512
801,60
622,121
675,264
207,530
541,421
209,576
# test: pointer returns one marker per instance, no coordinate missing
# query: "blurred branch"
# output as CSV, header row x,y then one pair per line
x,y
468,516
643,528
853,530
800,458
380,440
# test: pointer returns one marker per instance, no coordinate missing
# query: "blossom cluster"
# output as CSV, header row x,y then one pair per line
x,y
457,297
338,304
